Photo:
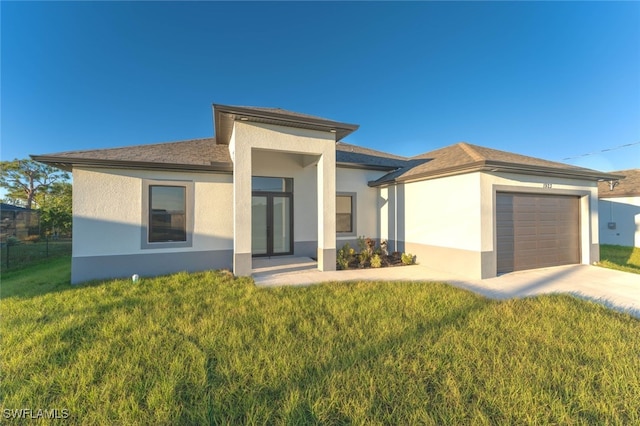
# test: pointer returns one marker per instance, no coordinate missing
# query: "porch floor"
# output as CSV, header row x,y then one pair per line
x,y
280,266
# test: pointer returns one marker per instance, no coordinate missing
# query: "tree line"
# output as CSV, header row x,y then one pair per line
x,y
38,186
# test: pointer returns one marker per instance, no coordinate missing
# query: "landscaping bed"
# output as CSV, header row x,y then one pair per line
x,y
370,254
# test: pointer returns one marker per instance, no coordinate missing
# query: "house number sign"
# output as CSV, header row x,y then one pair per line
x,y
547,185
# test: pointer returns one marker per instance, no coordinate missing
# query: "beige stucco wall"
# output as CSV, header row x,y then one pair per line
x,y
107,211
625,213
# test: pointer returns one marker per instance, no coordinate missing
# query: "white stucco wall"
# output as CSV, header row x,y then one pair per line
x,y
367,209
313,146
450,222
625,213
107,211
444,212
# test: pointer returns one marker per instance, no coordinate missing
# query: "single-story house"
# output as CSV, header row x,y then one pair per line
x,y
619,209
274,182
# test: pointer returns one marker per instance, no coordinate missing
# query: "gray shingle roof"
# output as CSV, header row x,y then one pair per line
x,y
627,187
356,155
464,158
190,154
201,154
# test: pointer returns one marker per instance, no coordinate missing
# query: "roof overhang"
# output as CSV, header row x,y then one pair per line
x,y
66,163
224,116
502,167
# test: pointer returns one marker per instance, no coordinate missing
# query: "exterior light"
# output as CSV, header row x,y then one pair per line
x,y
244,119
332,130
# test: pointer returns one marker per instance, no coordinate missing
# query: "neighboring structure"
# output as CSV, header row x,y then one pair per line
x,y
619,210
19,222
273,182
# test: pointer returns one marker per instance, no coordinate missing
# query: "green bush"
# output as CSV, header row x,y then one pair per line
x,y
407,258
345,256
12,241
376,261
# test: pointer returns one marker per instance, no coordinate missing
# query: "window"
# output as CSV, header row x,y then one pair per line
x,y
346,213
167,214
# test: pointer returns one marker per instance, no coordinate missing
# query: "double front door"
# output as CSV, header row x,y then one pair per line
x,y
271,223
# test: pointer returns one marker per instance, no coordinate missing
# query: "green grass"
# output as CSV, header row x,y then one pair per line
x,y
207,348
620,257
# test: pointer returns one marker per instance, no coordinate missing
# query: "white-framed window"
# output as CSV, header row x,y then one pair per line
x,y
346,213
167,214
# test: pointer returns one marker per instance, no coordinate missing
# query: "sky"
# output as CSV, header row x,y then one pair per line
x,y
554,80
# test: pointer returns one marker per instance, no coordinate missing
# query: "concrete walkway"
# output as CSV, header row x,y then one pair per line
x,y
616,289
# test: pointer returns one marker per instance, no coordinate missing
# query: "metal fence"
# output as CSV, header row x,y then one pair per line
x,y
16,254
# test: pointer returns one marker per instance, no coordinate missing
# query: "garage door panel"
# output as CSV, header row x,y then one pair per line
x,y
536,231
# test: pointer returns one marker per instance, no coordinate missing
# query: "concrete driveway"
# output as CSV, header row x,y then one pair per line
x,y
616,289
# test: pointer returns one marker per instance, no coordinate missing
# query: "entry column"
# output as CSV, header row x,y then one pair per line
x,y
242,209
327,209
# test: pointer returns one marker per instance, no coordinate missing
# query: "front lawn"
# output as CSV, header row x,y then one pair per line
x,y
207,348
621,258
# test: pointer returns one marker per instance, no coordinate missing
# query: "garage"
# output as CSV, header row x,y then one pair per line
x,y
536,231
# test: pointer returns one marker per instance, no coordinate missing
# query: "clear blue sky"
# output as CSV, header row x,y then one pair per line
x,y
546,79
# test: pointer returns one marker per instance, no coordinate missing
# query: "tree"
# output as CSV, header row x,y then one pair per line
x,y
23,179
55,208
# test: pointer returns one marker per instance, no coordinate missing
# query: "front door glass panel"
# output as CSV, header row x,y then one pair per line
x,y
281,225
259,224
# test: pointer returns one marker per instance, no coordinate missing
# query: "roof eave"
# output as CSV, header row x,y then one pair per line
x,y
497,166
224,124
66,163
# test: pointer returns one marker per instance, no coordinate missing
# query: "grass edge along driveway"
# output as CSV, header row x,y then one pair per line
x,y
209,348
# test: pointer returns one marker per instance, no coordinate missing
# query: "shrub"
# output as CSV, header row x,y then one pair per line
x,y
364,258
407,258
12,241
376,261
345,256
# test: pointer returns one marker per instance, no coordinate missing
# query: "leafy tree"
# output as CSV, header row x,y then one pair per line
x,y
55,208
23,179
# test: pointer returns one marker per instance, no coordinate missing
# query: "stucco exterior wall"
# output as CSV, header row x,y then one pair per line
x,y
449,223
314,147
624,212
107,212
351,180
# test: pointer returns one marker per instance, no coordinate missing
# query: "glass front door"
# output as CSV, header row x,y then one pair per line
x,y
271,224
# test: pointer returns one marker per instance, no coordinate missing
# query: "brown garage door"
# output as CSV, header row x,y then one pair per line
x,y
535,231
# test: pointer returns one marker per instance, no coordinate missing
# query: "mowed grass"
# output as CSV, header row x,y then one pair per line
x,y
621,258
210,349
